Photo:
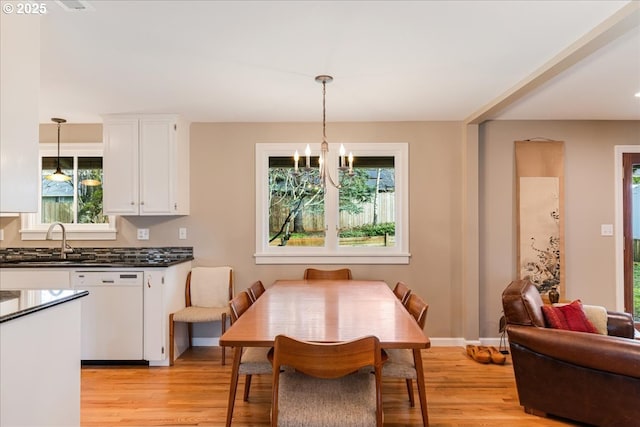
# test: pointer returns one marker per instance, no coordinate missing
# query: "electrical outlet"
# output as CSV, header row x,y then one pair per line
x,y
606,229
182,233
143,234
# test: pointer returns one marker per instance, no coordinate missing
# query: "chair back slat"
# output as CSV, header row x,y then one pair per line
x,y
315,274
239,304
256,290
402,292
418,309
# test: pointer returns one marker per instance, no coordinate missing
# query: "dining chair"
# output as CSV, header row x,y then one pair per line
x,y
324,384
207,294
315,274
402,292
253,360
256,290
401,362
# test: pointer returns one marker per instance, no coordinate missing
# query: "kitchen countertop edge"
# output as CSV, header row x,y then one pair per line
x,y
75,294
97,264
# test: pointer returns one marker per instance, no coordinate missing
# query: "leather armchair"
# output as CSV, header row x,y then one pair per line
x,y
590,378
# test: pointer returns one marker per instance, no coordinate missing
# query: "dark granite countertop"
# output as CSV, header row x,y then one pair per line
x,y
91,262
95,257
18,303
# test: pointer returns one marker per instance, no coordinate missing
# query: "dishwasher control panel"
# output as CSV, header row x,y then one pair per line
x,y
80,279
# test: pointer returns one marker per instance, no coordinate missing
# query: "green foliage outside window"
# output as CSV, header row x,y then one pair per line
x,y
297,205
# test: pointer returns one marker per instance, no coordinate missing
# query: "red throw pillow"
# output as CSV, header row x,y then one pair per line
x,y
570,317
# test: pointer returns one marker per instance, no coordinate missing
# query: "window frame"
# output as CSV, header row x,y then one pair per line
x,y
31,226
332,253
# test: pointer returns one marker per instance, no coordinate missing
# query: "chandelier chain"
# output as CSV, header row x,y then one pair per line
x,y
324,111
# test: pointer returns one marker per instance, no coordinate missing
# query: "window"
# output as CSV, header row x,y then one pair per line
x,y
364,221
76,203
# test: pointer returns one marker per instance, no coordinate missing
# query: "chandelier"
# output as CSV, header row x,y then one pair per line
x,y
323,167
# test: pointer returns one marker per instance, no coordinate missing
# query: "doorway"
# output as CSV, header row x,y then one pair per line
x,y
631,230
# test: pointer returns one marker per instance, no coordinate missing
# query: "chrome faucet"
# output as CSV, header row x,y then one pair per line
x,y
65,248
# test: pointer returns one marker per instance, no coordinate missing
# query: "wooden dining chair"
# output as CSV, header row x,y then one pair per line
x,y
401,362
402,292
256,290
323,383
207,294
253,360
315,274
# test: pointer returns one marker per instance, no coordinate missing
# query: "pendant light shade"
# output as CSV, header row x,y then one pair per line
x,y
58,175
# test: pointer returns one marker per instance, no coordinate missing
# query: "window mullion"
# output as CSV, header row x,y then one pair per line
x,y
331,201
75,189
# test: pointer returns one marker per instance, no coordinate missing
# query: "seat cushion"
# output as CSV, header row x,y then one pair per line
x,y
200,314
254,361
400,364
308,401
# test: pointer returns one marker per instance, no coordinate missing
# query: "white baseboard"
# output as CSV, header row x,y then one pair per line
x,y
205,341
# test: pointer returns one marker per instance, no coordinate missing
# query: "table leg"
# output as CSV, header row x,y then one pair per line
x,y
237,355
422,392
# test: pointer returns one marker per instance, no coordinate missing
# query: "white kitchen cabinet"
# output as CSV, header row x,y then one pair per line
x,y
40,367
163,295
146,165
20,82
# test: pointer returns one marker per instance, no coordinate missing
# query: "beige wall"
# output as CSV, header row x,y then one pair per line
x,y
223,216
589,202
221,224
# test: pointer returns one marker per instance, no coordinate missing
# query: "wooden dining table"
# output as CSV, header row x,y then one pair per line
x,y
329,311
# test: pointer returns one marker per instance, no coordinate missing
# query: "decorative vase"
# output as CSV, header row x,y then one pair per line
x,y
554,296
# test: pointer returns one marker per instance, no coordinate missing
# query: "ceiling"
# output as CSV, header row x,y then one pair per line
x,y
241,61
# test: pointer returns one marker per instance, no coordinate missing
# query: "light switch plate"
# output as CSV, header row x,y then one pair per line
x,y
606,229
182,233
143,234
1,234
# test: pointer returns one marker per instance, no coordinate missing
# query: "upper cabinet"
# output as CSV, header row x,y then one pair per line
x,y
146,165
20,83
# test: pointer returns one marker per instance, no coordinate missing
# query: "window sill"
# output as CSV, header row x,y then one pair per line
x,y
352,258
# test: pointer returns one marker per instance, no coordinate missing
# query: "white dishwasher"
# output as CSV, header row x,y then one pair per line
x,y
112,316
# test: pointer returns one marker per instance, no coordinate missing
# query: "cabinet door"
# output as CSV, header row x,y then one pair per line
x,y
157,166
154,316
120,167
20,82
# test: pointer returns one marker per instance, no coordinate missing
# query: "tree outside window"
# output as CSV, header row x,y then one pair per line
x,y
78,201
299,221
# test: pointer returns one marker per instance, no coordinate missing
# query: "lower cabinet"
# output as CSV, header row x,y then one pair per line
x,y
163,295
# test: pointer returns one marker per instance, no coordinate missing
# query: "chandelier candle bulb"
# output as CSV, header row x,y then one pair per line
x,y
296,157
350,162
307,152
342,153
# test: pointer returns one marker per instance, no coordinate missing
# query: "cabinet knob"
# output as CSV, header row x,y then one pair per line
x,y
133,203
175,206
142,203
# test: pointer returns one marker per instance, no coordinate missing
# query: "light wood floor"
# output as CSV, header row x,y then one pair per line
x,y
460,392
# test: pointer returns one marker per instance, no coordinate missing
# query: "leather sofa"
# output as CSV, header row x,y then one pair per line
x,y
586,377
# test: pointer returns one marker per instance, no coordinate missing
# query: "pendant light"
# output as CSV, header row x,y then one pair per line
x,y
58,175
